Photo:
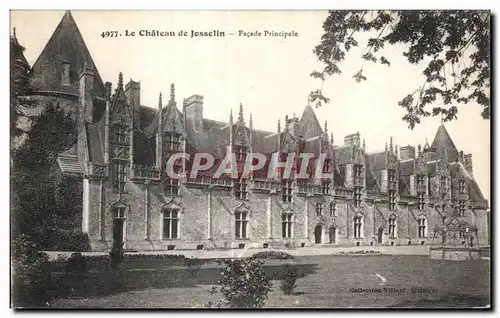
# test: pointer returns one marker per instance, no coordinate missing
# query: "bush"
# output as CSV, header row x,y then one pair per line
x,y
66,240
271,255
243,284
289,280
77,263
193,265
116,255
31,274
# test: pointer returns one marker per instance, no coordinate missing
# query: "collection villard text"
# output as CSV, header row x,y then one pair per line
x,y
197,34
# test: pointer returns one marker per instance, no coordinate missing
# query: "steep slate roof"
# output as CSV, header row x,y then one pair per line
x,y
443,144
65,45
376,160
407,167
309,124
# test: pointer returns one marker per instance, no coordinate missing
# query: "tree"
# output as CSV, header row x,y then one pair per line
x,y
456,43
19,88
43,198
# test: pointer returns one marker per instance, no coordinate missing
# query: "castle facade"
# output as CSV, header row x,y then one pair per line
x,y
402,195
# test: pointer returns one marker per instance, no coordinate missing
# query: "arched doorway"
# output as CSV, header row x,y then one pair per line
x,y
317,234
380,234
332,234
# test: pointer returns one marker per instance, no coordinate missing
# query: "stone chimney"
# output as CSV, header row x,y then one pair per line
x,y
407,152
133,94
85,99
194,111
352,139
468,163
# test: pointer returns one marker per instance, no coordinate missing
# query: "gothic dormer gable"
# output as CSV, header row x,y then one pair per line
x,y
241,134
120,110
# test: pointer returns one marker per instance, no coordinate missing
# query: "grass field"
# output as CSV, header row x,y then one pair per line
x,y
325,282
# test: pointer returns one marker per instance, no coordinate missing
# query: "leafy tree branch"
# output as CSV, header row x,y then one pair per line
x,y
440,37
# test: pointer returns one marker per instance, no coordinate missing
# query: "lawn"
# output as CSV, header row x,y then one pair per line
x,y
325,282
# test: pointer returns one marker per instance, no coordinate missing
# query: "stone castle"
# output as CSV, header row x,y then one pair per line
x,y
403,195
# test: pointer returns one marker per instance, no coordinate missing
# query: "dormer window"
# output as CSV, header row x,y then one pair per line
x,y
65,74
461,187
172,141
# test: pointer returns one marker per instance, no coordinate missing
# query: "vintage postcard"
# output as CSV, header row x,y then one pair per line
x,y
250,159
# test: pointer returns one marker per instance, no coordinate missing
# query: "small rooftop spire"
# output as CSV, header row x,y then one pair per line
x,y
120,80
279,126
172,92
240,115
160,104
231,117
331,138
326,128
390,144
364,144
251,124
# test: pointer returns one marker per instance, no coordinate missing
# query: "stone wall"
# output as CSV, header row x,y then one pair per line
x,y
207,218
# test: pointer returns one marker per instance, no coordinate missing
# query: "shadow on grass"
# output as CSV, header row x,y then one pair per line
x,y
450,300
73,285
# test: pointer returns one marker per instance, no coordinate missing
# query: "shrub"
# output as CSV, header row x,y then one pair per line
x,y
31,275
243,284
271,255
66,240
193,265
116,255
77,263
289,280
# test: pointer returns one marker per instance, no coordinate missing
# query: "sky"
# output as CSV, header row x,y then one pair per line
x,y
268,75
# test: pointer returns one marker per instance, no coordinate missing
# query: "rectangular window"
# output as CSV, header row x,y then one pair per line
x,y
420,180
392,227
422,227
392,200
286,191
358,175
65,74
319,208
461,207
357,226
118,175
240,153
443,188
286,225
461,187
120,135
119,212
421,200
325,187
240,224
327,166
332,208
391,179
357,196
170,223
172,142
240,189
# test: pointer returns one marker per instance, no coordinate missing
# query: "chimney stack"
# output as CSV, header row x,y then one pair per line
x,y
194,112
352,139
133,94
407,152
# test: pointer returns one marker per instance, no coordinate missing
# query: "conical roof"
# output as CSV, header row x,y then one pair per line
x,y
66,45
444,146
